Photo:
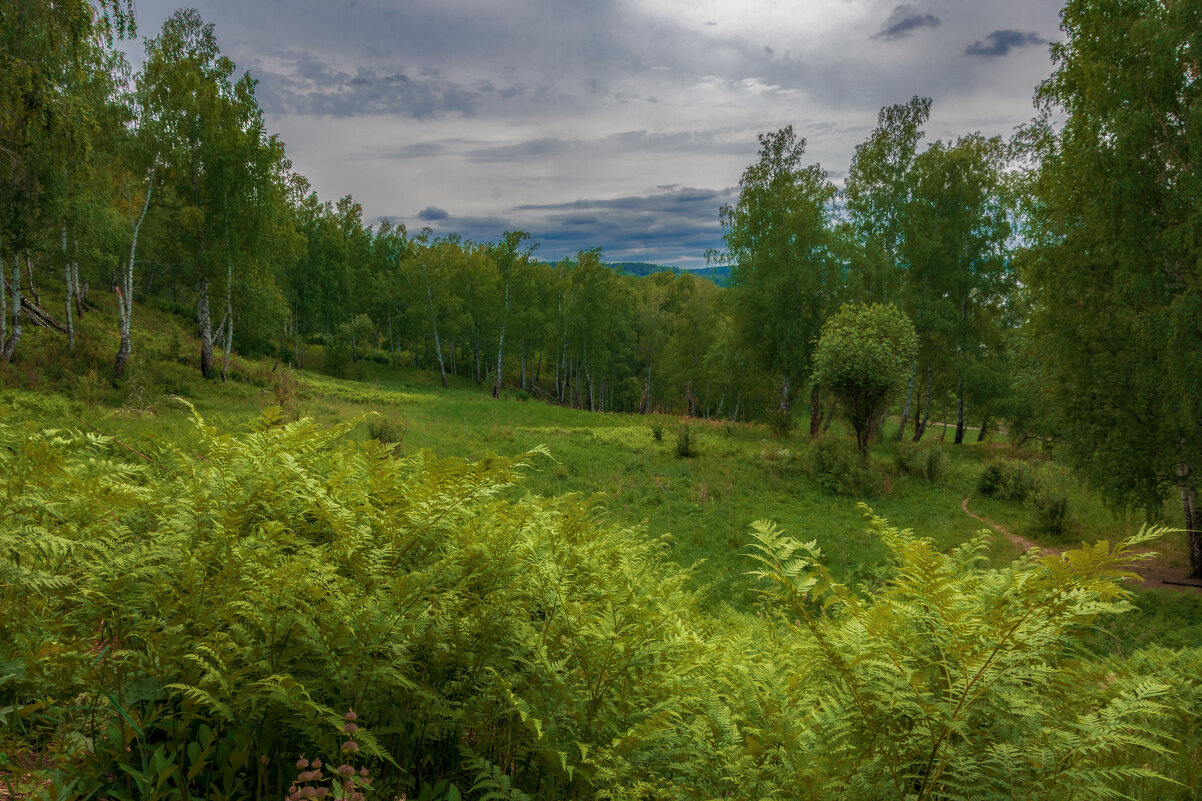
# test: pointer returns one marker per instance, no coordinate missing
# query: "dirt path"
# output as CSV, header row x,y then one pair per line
x,y
1156,572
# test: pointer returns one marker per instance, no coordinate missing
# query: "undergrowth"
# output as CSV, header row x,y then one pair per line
x,y
192,621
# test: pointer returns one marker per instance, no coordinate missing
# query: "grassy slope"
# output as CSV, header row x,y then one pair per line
x,y
704,504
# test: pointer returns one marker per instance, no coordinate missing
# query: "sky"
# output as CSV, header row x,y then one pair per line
x,y
620,124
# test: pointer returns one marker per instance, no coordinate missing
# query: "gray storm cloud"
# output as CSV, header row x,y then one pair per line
x,y
1000,43
904,21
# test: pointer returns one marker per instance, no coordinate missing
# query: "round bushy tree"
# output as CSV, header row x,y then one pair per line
x,y
863,357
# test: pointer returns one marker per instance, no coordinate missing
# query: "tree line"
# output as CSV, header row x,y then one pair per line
x,y
1052,280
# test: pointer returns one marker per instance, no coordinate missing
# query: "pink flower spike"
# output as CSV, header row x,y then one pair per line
x,y
350,715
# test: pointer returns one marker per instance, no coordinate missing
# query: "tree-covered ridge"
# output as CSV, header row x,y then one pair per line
x,y
214,613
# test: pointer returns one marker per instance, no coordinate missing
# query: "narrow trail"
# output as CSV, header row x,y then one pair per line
x,y
1022,542
1156,572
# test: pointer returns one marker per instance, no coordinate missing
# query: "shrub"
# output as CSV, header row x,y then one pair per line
x,y
835,467
926,460
935,464
388,429
686,441
780,422
1050,511
1007,480
657,431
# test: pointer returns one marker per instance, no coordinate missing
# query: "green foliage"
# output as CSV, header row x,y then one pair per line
x,y
388,429
929,461
686,441
1049,504
1113,264
864,358
939,685
657,431
780,422
837,470
784,278
209,606
1007,480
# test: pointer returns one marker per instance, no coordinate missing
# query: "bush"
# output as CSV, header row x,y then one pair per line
x,y
1050,512
686,441
926,460
780,422
388,429
657,431
836,468
1007,480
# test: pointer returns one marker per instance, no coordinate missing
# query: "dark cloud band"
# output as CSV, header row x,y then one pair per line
x,y
1000,43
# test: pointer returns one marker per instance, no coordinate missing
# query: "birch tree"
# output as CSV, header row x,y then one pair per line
x,y
214,126
777,237
510,255
1115,224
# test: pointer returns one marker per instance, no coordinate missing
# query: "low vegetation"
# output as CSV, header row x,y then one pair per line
x,y
214,608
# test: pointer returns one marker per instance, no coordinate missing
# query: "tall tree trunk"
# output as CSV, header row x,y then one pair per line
x,y
10,344
786,398
496,387
125,299
77,290
67,303
920,425
984,432
815,412
905,418
830,416
33,289
391,344
524,352
442,369
960,411
205,326
645,401
1187,485
3,302
229,316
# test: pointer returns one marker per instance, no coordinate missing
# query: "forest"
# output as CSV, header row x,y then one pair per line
x,y
396,580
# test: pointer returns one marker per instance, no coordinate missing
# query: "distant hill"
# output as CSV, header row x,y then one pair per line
x,y
719,275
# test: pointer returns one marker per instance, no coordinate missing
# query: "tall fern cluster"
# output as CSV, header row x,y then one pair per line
x,y
190,624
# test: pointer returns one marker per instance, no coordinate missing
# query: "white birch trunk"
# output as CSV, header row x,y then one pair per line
x,y
67,271
206,328
125,295
496,388
229,315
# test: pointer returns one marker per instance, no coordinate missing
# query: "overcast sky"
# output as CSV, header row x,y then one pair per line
x,y
623,124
